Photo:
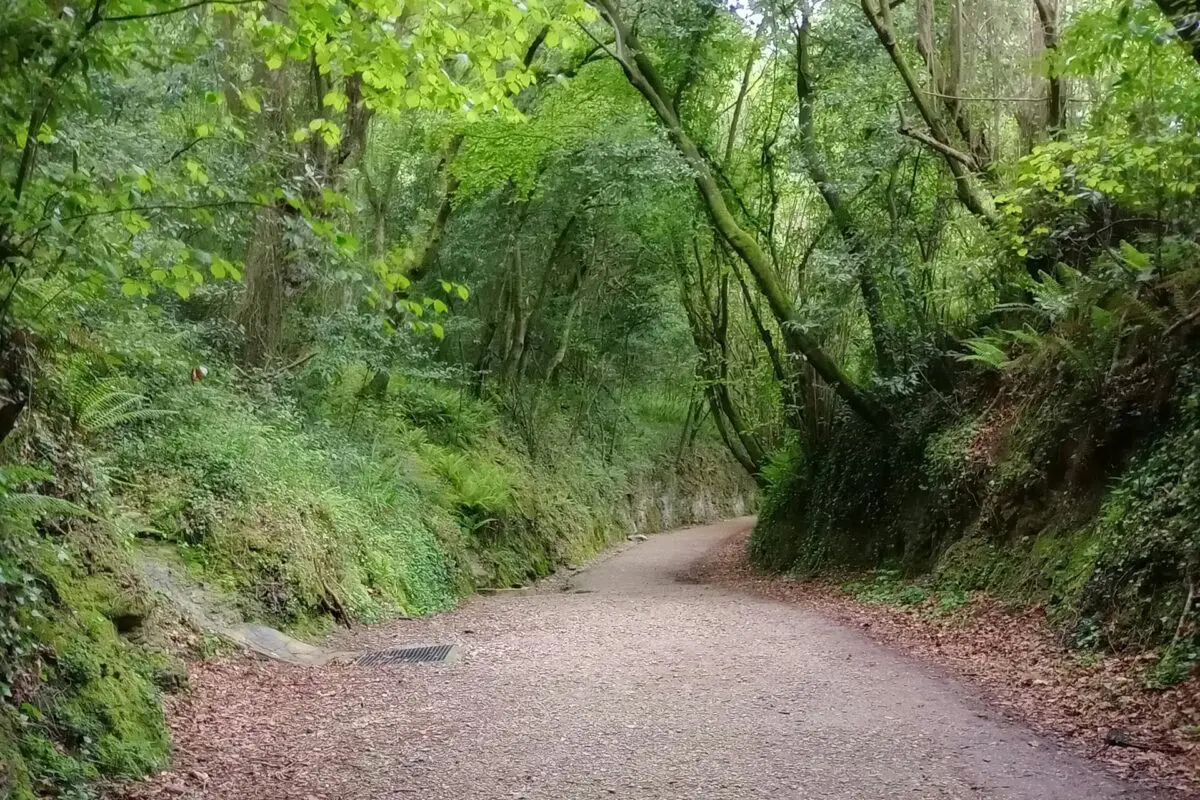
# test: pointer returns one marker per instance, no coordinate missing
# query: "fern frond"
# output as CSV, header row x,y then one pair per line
x,y
33,507
103,407
985,351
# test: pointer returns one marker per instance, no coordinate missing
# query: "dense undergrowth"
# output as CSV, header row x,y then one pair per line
x,y
321,496
1045,449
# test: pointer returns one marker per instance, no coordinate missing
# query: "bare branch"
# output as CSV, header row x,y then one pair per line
x,y
965,159
166,12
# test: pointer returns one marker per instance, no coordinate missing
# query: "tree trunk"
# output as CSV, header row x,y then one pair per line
x,y
641,74
260,312
977,201
1047,11
842,219
712,344
786,377
1185,18
557,250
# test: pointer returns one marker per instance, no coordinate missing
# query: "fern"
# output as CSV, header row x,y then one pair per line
x,y
33,507
15,474
985,351
1027,336
104,406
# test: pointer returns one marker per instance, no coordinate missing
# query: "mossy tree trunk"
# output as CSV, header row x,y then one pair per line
x,y
643,76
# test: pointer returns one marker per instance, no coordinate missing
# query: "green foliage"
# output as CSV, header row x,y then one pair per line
x,y
888,586
103,406
1147,531
1174,666
81,700
463,316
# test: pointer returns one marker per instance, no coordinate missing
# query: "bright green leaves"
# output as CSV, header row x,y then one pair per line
x,y
456,289
143,181
463,57
20,131
330,132
196,171
181,275
336,100
389,271
221,269
422,315
249,98
134,222
1152,176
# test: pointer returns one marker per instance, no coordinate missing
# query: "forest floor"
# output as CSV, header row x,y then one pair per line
x,y
1085,701
629,679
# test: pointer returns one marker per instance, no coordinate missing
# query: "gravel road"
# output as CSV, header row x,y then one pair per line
x,y
627,683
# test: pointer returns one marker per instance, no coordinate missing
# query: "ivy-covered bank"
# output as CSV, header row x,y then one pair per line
x,y
1080,495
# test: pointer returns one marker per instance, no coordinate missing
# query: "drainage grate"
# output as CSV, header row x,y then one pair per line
x,y
406,655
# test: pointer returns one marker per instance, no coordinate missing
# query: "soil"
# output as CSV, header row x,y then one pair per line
x,y
621,681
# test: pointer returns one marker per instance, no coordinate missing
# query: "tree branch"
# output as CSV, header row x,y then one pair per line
x,y
166,12
965,159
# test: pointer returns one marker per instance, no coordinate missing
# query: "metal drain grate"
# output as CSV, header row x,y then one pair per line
x,y
406,655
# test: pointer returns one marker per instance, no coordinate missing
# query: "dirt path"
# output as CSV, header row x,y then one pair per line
x,y
629,684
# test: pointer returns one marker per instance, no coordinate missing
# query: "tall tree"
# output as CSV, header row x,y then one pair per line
x,y
641,73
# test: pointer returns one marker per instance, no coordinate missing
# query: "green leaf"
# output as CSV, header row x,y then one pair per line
x,y
438,330
1134,257
196,171
134,222
335,100
250,101
462,291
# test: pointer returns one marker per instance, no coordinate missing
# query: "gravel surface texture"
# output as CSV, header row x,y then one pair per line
x,y
622,681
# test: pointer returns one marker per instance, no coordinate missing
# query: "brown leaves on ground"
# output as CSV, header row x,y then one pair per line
x,y
225,738
1088,702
